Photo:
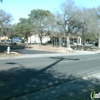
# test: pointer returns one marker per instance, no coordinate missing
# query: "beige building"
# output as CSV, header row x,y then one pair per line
x,y
3,37
36,39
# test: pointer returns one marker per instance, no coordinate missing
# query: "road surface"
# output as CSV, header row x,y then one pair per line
x,y
23,51
21,77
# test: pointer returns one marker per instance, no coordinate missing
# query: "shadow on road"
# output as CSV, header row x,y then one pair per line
x,y
21,83
63,58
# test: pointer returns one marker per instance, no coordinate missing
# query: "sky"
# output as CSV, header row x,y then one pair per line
x,y
21,8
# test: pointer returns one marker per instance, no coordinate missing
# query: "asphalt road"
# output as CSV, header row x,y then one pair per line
x,y
23,51
21,77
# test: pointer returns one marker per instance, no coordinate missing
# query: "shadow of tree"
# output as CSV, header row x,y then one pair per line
x,y
56,58
22,83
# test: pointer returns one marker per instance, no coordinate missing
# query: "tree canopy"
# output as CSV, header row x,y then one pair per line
x,y
40,20
5,23
70,20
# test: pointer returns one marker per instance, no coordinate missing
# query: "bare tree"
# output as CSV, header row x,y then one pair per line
x,y
73,20
86,20
68,12
5,22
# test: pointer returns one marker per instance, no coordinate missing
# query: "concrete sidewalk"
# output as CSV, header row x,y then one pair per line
x,y
54,54
65,91
58,54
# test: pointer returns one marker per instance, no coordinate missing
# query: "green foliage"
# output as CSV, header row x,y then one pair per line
x,y
90,37
39,14
41,21
5,23
23,28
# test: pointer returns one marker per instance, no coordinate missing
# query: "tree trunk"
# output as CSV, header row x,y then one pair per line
x,y
60,42
83,41
30,39
26,39
40,40
65,39
56,42
77,42
52,41
68,41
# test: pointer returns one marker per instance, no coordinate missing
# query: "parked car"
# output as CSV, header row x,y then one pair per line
x,y
15,40
88,44
6,41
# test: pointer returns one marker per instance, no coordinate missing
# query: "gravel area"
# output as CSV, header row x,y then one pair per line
x,y
12,54
49,48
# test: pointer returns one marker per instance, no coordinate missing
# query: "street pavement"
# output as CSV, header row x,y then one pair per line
x,y
25,51
44,78
37,53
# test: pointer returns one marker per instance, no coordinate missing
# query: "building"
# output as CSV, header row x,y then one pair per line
x,y
36,39
3,38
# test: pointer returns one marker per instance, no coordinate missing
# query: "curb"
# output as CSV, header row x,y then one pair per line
x,y
48,55
51,54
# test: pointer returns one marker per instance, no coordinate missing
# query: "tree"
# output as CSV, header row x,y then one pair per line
x,y
29,27
40,19
23,28
68,12
86,22
74,20
5,23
